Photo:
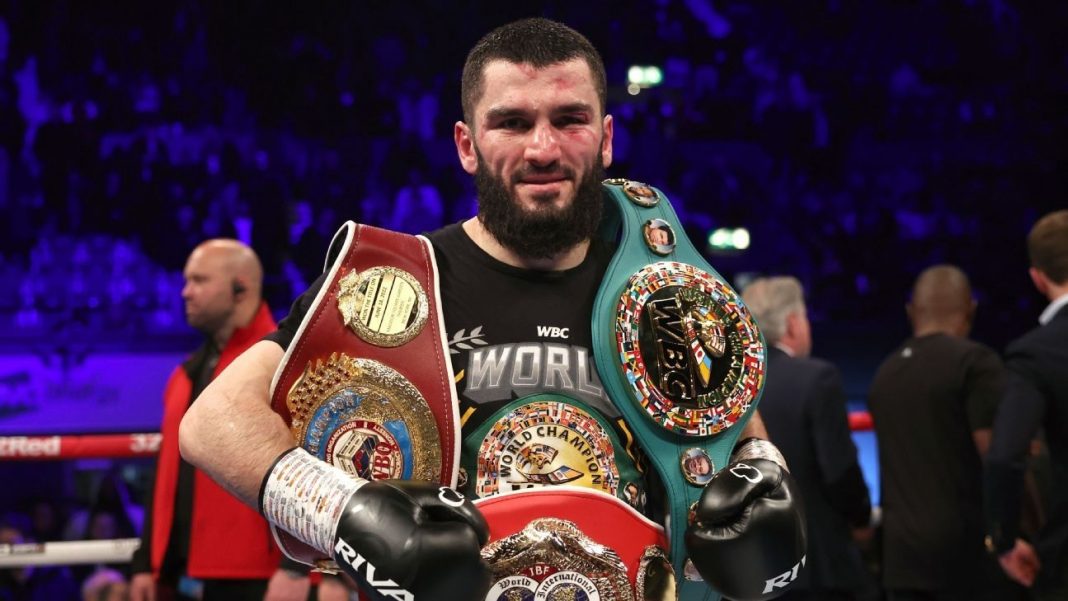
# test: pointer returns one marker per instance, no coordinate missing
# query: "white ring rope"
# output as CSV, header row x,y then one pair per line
x,y
118,550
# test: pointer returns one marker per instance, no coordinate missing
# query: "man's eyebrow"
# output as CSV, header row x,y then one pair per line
x,y
504,112
573,107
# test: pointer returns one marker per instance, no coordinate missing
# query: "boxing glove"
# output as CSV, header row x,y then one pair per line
x,y
747,539
403,540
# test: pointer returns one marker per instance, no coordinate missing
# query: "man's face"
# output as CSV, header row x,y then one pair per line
x,y
698,465
659,236
537,149
208,292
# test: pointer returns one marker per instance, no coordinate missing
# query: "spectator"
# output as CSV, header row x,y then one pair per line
x,y
1036,398
105,585
804,409
31,583
932,402
418,206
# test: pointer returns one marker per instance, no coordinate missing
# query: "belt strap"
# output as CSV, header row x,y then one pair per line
x,y
676,351
366,383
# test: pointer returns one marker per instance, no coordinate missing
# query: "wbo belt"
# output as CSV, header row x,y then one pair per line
x,y
568,542
677,352
366,383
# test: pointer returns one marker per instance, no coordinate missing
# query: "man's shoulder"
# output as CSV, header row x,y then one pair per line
x,y
447,236
973,350
1053,333
802,369
810,363
939,348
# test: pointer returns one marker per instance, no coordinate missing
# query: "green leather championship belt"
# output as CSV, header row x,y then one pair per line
x,y
677,352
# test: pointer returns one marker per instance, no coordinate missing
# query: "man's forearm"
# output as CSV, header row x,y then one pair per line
x,y
230,432
754,428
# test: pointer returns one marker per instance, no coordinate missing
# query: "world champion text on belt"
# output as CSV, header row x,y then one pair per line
x,y
543,443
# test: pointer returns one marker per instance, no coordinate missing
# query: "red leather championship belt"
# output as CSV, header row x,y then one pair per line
x,y
569,542
366,383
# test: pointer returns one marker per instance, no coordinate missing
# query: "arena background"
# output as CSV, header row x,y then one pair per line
x,y
857,143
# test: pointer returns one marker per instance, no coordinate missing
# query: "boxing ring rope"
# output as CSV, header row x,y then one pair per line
x,y
79,447
118,550
141,444
47,448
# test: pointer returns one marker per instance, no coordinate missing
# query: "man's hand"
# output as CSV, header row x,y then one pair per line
x,y
332,588
748,537
863,536
287,586
142,587
1021,563
395,538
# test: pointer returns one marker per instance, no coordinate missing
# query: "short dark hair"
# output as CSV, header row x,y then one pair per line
x,y
536,41
1047,245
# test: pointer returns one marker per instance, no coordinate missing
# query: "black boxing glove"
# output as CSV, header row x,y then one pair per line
x,y
403,540
748,536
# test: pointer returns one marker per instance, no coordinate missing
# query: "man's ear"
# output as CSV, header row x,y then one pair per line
x,y
464,138
793,325
1040,280
606,142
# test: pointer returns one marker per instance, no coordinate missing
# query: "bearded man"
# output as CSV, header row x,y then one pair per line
x,y
518,284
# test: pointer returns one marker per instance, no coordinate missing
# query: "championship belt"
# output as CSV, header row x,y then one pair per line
x,y
677,352
566,542
366,383
561,497
547,440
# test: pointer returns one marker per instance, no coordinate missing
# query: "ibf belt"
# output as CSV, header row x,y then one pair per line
x,y
576,544
677,352
366,383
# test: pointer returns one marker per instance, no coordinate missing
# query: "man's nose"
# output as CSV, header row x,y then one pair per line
x,y
544,145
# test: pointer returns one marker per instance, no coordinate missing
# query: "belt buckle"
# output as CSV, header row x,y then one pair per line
x,y
552,559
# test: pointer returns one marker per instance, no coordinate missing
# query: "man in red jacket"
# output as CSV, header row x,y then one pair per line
x,y
198,540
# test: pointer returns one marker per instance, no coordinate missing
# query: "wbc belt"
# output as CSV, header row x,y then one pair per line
x,y
366,383
677,352
566,542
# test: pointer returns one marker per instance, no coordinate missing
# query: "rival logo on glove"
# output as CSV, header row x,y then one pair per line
x,y
746,472
450,497
386,587
782,580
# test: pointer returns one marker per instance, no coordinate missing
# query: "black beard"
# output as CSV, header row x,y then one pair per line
x,y
545,233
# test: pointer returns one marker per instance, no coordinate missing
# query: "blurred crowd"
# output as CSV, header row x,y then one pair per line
x,y
855,154
135,131
108,514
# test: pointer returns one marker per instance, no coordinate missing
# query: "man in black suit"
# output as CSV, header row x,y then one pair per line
x,y
804,409
1036,397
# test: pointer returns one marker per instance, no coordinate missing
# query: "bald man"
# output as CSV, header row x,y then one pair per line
x,y
933,402
198,540
223,285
